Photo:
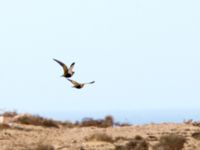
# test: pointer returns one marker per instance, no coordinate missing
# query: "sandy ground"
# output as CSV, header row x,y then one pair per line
x,y
25,137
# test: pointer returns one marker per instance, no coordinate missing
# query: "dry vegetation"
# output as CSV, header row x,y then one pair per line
x,y
196,135
38,121
95,134
171,142
108,121
100,137
4,126
196,123
44,147
138,143
9,114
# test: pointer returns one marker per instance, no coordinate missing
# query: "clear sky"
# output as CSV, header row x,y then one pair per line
x,y
142,54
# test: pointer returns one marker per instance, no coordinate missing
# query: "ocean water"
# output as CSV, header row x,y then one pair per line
x,y
132,117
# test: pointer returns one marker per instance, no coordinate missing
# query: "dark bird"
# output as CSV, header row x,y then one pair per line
x,y
67,72
79,85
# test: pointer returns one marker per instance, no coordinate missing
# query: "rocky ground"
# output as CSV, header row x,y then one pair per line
x,y
28,137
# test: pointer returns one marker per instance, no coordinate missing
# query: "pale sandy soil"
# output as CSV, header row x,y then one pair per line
x,y
25,137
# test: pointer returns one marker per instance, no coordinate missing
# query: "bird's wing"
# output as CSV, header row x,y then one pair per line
x,y
63,65
90,82
71,68
74,82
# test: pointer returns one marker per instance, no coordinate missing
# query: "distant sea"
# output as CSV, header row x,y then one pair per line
x,y
132,117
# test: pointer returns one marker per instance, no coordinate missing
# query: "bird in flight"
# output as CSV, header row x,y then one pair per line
x,y
68,72
79,85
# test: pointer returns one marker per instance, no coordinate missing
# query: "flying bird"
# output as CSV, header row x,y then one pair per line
x,y
79,85
68,72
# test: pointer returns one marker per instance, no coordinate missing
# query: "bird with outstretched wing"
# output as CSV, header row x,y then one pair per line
x,y
79,85
68,72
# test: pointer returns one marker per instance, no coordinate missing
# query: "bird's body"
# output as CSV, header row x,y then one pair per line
x,y
67,75
79,85
67,72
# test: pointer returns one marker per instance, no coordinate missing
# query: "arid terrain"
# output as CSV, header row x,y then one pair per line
x,y
165,136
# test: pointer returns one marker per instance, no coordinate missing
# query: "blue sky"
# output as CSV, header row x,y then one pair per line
x,y
143,55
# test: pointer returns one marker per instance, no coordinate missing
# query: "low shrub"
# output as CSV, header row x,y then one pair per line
x,y
44,147
37,121
4,126
138,143
100,137
170,142
9,114
196,135
67,124
108,121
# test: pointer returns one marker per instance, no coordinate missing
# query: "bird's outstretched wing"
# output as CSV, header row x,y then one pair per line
x,y
71,68
90,82
74,82
65,69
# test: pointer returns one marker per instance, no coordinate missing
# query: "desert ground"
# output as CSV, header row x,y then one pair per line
x,y
17,136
